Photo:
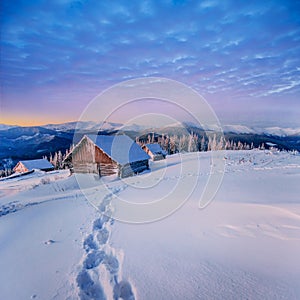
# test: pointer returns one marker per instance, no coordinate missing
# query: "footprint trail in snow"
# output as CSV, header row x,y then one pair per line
x,y
100,273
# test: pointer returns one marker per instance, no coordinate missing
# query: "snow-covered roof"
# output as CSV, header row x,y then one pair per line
x,y
120,148
37,164
156,149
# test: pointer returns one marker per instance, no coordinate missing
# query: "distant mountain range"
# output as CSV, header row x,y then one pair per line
x,y
19,142
109,126
275,131
83,125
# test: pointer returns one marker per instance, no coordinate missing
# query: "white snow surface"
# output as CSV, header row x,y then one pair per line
x,y
244,245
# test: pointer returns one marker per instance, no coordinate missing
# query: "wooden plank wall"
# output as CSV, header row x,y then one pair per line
x,y
20,168
158,157
88,158
133,168
84,153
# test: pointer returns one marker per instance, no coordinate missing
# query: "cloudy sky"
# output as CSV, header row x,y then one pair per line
x,y
243,57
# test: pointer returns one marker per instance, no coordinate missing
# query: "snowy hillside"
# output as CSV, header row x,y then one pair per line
x,y
278,131
83,125
54,244
273,131
237,129
5,127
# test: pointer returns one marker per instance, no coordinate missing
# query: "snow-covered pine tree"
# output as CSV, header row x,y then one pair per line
x,y
196,142
183,143
227,145
202,144
209,144
59,160
192,146
172,144
152,138
54,160
162,142
221,143
7,164
167,144
240,146
214,143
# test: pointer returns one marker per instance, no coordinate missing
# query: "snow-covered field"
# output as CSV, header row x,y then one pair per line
x,y
245,244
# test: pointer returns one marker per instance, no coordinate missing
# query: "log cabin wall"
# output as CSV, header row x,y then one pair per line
x,y
153,155
107,169
84,153
88,158
157,157
86,167
148,151
105,165
133,168
20,168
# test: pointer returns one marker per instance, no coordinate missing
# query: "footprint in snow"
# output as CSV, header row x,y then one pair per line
x,y
123,290
89,243
88,288
102,236
112,264
98,224
94,259
105,202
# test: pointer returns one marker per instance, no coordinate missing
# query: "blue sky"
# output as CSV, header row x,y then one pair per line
x,y
242,56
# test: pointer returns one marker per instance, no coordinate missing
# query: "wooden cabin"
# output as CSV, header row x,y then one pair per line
x,y
107,155
154,151
28,165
